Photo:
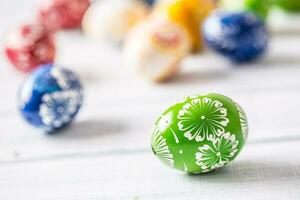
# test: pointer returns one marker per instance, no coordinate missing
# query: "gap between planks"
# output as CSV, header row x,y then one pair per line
x,y
130,151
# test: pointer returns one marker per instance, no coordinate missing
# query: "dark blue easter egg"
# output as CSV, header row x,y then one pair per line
x,y
240,36
149,2
50,97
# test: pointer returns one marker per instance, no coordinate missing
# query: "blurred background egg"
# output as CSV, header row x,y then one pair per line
x,y
62,14
29,46
240,36
150,2
188,13
110,20
289,5
155,48
50,97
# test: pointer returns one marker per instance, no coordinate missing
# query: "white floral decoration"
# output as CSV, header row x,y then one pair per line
x,y
160,147
202,118
243,121
217,153
58,108
63,80
164,122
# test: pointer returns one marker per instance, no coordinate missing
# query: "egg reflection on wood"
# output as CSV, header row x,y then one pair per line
x,y
111,20
29,46
239,36
155,48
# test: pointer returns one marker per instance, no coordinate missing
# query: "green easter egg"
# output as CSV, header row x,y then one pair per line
x,y
259,7
200,133
289,5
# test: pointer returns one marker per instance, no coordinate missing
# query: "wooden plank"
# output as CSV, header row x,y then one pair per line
x,y
105,76
126,121
114,126
120,109
262,171
106,153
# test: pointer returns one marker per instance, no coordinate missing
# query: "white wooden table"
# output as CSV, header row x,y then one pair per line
x,y
106,153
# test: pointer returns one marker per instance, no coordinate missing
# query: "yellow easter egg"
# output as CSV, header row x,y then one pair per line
x,y
188,13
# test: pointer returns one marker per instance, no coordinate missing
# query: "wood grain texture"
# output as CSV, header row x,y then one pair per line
x,y
261,172
120,109
106,153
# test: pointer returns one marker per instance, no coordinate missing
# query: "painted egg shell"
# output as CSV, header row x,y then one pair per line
x,y
200,133
261,8
155,47
111,20
240,36
289,5
62,14
150,2
50,97
188,13
29,46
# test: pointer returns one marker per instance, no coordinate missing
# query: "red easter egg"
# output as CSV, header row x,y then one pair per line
x,y
62,14
29,46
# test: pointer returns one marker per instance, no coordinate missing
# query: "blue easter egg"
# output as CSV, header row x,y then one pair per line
x,y
150,2
50,97
240,36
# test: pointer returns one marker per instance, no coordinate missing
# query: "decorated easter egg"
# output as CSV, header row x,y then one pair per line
x,y
259,7
190,14
155,47
200,133
289,5
111,20
50,97
62,14
29,46
150,2
240,36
